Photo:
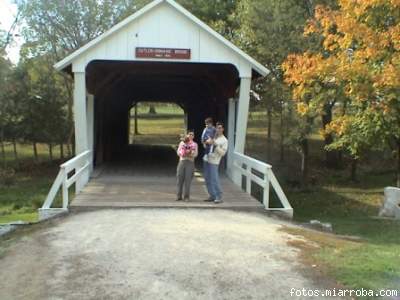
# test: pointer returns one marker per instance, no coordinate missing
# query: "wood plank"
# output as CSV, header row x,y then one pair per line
x,y
120,189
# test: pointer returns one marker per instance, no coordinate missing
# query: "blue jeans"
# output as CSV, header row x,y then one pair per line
x,y
211,176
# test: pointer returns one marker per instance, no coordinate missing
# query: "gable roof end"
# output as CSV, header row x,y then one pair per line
x,y
255,65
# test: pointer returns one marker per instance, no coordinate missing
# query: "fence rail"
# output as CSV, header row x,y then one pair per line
x,y
260,173
79,164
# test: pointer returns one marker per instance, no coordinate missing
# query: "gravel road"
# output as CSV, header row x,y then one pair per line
x,y
155,254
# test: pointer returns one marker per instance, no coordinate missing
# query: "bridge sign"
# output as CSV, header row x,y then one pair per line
x,y
168,53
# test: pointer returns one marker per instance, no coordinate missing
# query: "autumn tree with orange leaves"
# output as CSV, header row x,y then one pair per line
x,y
357,73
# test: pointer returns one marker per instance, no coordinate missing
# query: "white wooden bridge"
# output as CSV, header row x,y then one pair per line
x,y
127,184
161,53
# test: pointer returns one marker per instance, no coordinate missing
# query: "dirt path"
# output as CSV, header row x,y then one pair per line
x,y
154,254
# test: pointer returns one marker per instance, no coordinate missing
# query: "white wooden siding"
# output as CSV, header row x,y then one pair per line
x,y
162,27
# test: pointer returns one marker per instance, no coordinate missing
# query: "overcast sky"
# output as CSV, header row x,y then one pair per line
x,y
8,11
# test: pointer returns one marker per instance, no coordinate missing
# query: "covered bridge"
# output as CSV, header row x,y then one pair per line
x,y
160,53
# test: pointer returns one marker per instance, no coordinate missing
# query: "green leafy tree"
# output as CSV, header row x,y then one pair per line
x,y
56,28
5,69
47,103
220,15
271,30
15,91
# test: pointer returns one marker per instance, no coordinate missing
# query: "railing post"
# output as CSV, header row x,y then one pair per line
x,y
266,189
248,179
65,189
231,137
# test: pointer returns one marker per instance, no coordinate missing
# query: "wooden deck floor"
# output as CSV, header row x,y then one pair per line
x,y
120,187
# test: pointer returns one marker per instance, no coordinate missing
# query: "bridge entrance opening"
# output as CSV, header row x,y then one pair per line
x,y
199,90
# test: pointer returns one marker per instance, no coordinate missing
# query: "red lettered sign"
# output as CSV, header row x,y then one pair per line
x,y
167,53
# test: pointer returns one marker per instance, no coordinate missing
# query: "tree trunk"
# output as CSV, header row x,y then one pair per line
x,y
71,141
152,110
354,163
398,164
3,149
304,162
69,152
136,120
330,156
51,151
35,152
62,150
282,141
15,149
340,152
340,158
269,114
269,133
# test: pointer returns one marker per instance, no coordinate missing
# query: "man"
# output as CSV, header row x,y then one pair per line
x,y
211,164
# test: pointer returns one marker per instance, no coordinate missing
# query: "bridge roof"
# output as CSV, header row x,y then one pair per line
x,y
105,37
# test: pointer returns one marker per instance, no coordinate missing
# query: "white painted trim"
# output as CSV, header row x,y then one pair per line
x,y
242,114
244,165
63,181
90,126
81,123
70,58
80,115
231,135
72,163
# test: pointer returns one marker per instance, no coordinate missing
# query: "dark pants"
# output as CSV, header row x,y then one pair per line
x,y
184,174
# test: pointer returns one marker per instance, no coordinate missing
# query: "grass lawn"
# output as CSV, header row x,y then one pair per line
x,y
163,128
25,153
374,261
25,191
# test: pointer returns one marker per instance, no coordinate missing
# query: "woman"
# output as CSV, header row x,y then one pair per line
x,y
187,152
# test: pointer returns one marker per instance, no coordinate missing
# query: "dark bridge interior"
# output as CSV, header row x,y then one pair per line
x,y
201,90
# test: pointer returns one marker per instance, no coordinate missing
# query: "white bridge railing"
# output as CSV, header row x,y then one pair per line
x,y
80,164
261,174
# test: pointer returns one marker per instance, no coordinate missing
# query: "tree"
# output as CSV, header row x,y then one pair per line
x,y
271,30
15,91
47,103
5,70
359,65
56,28
220,15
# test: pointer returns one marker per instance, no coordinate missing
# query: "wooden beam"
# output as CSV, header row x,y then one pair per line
x,y
242,116
80,117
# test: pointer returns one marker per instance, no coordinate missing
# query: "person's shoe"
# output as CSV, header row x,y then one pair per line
x,y
186,199
178,199
210,199
218,201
